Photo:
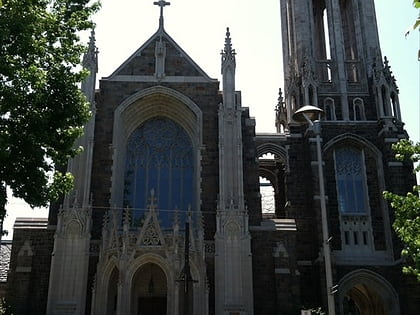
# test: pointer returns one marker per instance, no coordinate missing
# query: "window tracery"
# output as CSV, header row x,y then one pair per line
x,y
159,156
351,184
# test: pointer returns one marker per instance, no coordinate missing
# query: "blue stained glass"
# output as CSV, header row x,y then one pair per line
x,y
351,187
159,156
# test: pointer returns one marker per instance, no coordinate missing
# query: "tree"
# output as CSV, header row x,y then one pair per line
x,y
416,4
407,211
42,110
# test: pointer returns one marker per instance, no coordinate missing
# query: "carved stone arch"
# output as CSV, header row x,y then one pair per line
x,y
159,261
371,293
145,259
135,109
273,148
103,279
112,291
354,140
157,101
268,175
275,171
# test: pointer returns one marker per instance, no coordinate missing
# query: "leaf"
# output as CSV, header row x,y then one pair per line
x,y
407,211
415,25
42,110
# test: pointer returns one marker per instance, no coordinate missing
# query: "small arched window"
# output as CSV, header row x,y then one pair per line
x,y
358,109
384,100
311,95
293,103
395,105
329,109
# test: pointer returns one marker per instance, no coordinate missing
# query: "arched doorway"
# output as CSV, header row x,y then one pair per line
x,y
112,293
363,292
363,300
149,291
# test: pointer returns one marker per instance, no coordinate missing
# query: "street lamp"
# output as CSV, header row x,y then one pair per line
x,y
311,115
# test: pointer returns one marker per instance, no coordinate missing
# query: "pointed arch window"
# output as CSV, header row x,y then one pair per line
x,y
159,156
351,181
329,109
395,106
384,99
358,109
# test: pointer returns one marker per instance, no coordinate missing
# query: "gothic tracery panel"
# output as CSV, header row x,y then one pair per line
x,y
159,157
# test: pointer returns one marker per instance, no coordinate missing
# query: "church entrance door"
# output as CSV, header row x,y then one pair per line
x,y
149,291
152,306
363,300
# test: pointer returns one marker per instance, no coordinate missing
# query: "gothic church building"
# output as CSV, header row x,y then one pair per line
x,y
166,215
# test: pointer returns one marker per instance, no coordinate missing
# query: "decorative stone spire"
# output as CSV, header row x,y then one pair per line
x,y
228,72
281,114
280,107
228,54
161,4
90,58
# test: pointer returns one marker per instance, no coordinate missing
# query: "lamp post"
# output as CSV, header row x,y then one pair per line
x,y
311,115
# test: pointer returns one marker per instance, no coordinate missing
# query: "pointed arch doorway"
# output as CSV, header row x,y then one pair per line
x,y
364,292
363,300
149,291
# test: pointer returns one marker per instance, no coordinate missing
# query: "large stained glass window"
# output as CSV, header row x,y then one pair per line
x,y
351,183
159,157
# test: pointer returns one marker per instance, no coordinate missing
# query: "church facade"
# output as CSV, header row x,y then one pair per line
x,y
166,214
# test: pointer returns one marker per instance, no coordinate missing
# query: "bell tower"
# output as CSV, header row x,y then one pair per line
x,y
332,60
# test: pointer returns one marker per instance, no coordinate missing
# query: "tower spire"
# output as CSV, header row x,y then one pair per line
x,y
228,54
161,4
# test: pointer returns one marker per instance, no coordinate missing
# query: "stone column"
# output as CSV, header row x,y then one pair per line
x,y
233,260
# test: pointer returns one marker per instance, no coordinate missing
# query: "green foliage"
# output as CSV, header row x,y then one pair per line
x,y
416,4
5,307
407,211
42,110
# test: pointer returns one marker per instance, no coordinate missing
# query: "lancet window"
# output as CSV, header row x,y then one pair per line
x,y
351,181
159,157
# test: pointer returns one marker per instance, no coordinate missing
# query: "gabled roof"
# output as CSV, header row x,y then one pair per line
x,y
141,65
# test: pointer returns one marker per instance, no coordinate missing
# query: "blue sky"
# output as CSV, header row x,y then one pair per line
x,y
199,27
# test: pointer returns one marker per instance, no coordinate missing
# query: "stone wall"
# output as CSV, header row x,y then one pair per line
x,y
27,287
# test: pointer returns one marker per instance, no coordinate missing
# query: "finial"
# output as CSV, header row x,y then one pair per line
x,y
280,102
152,205
92,39
90,58
228,53
161,4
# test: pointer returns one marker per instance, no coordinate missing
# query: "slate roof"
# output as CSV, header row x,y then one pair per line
x,y
5,250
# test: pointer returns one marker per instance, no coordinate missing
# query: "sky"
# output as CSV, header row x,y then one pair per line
x,y
199,27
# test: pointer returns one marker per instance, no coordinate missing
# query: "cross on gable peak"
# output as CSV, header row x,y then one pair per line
x,y
161,4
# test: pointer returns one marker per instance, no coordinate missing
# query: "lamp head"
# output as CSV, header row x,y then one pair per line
x,y
308,114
